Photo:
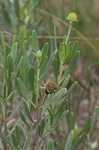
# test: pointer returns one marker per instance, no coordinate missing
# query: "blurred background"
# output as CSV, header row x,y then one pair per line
x,y
43,15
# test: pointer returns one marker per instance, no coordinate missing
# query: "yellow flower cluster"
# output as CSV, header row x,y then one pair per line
x,y
72,17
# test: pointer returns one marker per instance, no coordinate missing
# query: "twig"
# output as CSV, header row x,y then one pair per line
x,y
10,35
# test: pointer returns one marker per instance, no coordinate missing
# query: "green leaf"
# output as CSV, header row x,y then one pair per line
x,y
10,66
3,43
72,64
17,135
6,14
44,53
28,139
51,114
5,51
10,95
20,87
31,78
97,109
86,126
56,67
59,116
23,117
13,52
69,140
71,120
44,68
27,112
35,42
68,52
50,145
17,8
57,99
22,35
41,127
26,76
10,142
77,143
62,53
20,65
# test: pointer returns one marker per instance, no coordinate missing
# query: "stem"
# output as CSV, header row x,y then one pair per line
x,y
67,39
6,95
5,112
37,81
68,34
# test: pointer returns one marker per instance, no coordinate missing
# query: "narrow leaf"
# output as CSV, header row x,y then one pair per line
x,y
50,144
44,53
35,42
68,144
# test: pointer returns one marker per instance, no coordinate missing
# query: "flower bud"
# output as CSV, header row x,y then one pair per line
x,y
39,54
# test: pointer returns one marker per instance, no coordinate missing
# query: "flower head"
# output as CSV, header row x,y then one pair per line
x,y
39,54
72,17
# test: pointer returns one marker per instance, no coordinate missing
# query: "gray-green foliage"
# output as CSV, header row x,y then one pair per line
x,y
34,118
